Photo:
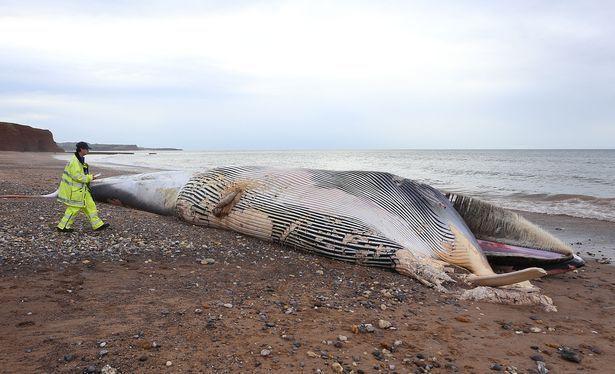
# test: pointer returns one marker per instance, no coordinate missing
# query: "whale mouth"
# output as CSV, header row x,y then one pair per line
x,y
510,242
511,257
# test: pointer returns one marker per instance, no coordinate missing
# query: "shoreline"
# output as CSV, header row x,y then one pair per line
x,y
149,290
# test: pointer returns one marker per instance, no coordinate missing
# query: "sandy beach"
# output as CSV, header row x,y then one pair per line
x,y
155,294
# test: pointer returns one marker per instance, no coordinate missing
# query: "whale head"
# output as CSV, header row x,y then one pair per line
x,y
510,241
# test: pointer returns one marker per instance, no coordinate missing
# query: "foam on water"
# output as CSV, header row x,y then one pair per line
x,y
578,183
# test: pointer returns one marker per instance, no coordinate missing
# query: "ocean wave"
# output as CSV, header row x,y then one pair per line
x,y
581,206
564,198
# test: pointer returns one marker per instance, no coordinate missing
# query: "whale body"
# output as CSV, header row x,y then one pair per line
x,y
370,218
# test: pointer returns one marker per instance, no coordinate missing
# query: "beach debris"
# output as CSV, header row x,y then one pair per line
x,y
169,363
384,324
265,352
508,296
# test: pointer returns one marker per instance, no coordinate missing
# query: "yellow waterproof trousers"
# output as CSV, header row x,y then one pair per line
x,y
89,209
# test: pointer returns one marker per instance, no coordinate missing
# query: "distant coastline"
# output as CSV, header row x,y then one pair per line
x,y
99,147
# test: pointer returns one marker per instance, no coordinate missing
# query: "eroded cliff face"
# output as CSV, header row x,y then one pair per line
x,y
21,138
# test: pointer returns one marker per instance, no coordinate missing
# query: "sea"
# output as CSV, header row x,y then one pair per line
x,y
578,183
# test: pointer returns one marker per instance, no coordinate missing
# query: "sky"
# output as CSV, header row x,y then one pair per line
x,y
203,75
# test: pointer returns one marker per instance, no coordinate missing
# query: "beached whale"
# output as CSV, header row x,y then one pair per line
x,y
369,218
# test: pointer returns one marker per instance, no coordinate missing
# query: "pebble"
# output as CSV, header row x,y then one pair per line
x,y
208,261
537,358
90,369
143,358
69,357
596,350
541,367
103,352
265,352
342,338
384,324
320,272
569,354
102,345
227,305
535,329
107,369
362,328
496,367
312,354
398,343
198,311
169,363
337,367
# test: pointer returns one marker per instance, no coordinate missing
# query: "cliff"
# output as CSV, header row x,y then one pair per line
x,y
14,137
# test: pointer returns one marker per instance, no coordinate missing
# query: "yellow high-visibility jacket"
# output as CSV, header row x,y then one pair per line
x,y
74,183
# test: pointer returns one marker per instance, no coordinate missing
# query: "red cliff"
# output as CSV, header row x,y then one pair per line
x,y
14,137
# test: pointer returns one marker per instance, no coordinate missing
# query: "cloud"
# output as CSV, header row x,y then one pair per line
x,y
311,74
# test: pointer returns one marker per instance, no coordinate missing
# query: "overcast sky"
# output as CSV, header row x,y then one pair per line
x,y
312,74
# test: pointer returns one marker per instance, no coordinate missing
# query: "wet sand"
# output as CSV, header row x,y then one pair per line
x,y
154,290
